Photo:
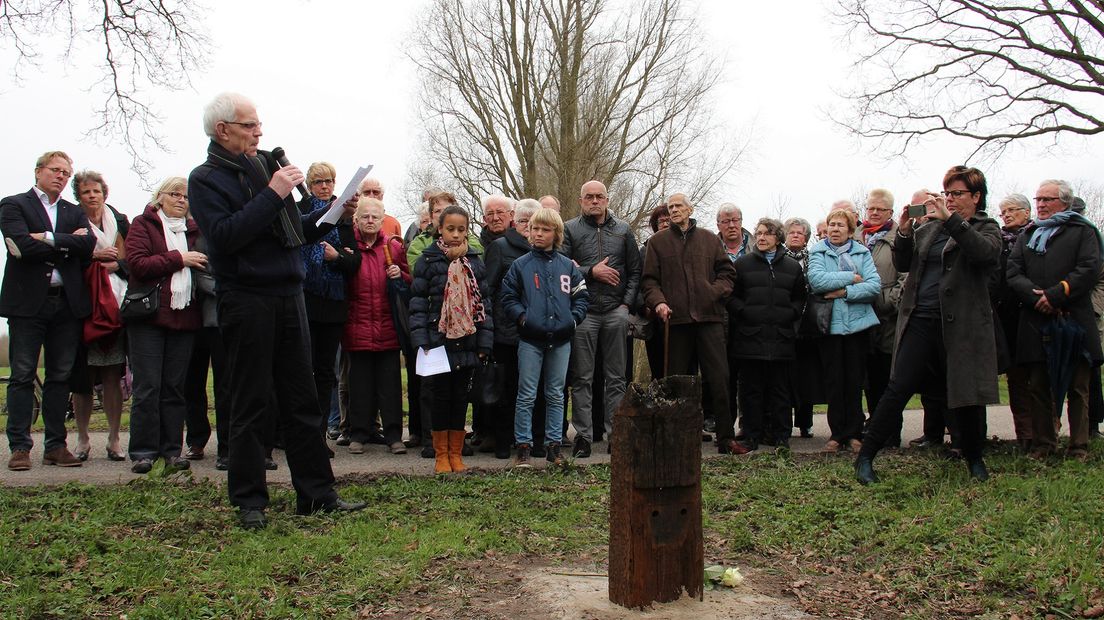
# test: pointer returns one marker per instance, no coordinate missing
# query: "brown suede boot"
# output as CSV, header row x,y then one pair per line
x,y
455,450
441,447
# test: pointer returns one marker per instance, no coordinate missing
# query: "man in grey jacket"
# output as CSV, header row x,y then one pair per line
x,y
607,253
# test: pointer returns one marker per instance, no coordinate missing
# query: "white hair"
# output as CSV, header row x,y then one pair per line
x,y
1065,192
1017,200
486,199
368,180
726,208
222,109
526,207
423,210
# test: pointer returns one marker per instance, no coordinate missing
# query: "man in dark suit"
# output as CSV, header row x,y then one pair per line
x,y
240,199
44,299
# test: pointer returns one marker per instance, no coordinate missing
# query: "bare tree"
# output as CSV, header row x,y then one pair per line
x,y
993,71
531,97
144,48
1093,195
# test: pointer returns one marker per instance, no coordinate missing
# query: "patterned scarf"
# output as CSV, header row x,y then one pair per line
x,y
843,251
322,280
461,304
801,256
873,234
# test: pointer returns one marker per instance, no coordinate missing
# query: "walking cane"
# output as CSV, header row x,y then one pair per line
x,y
666,344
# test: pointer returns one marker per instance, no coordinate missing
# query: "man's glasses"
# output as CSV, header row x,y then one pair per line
x,y
1046,199
250,126
62,171
730,222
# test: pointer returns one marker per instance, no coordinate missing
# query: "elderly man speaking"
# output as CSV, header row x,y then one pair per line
x,y
240,197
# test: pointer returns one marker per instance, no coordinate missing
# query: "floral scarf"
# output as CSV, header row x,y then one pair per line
x,y
461,304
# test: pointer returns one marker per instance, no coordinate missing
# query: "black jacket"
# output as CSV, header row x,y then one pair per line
x,y
500,255
1073,256
426,294
30,261
765,306
545,295
587,243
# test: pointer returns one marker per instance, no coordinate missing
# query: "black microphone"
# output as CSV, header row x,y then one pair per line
x,y
281,158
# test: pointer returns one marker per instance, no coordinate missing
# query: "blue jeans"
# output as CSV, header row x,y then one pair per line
x,y
532,362
55,330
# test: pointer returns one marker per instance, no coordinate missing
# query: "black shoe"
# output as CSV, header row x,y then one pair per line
x,y
175,463
488,445
142,466
377,438
709,425
222,463
925,442
864,470
333,433
251,519
270,464
554,456
342,440
414,441
194,453
538,450
428,452
782,444
978,471
807,433
1094,431
337,505
707,437
581,449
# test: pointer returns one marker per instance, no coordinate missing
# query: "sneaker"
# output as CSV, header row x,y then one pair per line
x,y
142,466
398,448
355,447
333,433
581,449
554,456
521,461
342,440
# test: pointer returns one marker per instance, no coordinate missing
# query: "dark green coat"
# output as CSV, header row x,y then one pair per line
x,y
969,259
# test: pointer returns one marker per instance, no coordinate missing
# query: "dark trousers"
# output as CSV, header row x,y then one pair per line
x,y
375,384
445,396
764,400
325,339
207,352
702,345
878,365
921,365
55,330
268,354
1046,413
1019,401
159,360
502,413
1096,397
844,371
414,398
655,349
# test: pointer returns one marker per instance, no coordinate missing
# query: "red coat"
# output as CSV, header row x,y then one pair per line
x,y
370,326
151,261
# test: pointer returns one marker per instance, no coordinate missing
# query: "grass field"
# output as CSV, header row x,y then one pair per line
x,y
926,542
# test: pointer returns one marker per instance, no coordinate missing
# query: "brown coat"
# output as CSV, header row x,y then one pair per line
x,y
689,272
969,258
887,303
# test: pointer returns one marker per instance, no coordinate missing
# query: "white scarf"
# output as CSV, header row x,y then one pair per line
x,y
181,284
106,238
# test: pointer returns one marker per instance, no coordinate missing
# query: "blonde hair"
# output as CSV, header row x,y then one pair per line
x,y
171,184
848,216
551,219
49,155
883,195
320,170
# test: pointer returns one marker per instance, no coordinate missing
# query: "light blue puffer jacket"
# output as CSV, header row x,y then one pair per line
x,y
854,312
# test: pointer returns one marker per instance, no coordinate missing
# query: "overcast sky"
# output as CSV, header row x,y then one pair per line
x,y
339,88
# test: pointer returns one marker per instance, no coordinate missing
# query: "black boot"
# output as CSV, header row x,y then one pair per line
x,y
864,470
978,471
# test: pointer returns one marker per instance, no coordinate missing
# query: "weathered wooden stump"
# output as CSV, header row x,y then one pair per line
x,y
655,538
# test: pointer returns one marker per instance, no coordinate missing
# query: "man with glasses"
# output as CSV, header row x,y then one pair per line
x,y
730,227
1053,269
372,188
240,197
45,301
606,251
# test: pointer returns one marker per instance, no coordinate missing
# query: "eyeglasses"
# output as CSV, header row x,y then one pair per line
x,y
62,171
322,182
176,196
250,126
495,214
368,217
594,196
1046,199
956,193
729,222
1010,211
879,210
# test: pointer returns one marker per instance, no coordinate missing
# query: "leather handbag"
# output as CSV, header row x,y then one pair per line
x,y
142,304
817,318
488,382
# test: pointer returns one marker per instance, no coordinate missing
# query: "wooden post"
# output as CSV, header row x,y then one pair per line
x,y
655,550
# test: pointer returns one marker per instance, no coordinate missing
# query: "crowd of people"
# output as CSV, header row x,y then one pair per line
x,y
308,311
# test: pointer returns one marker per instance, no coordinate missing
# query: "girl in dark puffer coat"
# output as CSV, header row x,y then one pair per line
x,y
447,309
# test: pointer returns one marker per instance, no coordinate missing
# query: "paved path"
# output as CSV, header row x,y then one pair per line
x,y
376,459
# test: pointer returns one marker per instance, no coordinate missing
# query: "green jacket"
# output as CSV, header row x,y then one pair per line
x,y
423,240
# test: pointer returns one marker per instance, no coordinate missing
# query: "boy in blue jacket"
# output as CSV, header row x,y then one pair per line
x,y
545,294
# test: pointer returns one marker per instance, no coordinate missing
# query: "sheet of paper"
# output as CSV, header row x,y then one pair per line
x,y
337,209
432,362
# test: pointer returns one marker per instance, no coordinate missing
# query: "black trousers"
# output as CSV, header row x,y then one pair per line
x,y
1096,397
764,400
325,338
445,396
878,365
702,345
375,384
502,414
921,365
268,353
844,370
207,352
414,399
159,360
